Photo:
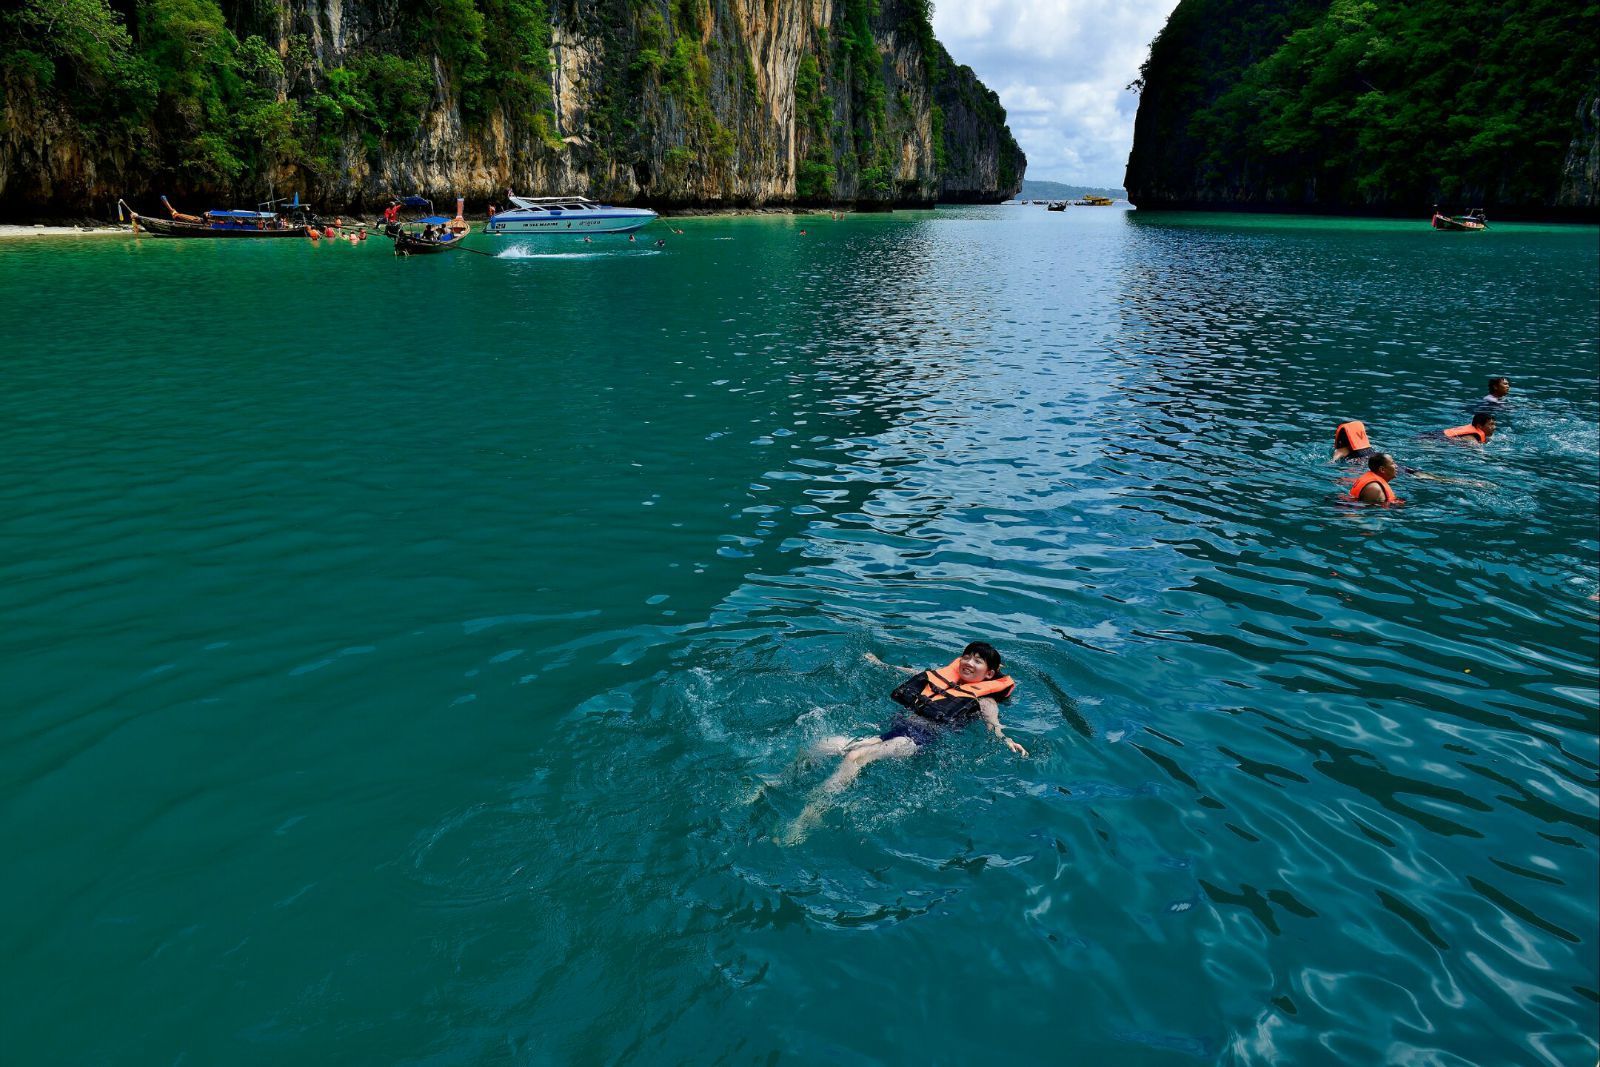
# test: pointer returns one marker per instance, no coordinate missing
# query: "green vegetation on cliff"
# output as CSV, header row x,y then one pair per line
x,y
667,100
1354,104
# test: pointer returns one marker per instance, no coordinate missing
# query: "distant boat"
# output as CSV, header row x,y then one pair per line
x,y
566,216
1057,205
1472,220
430,234
290,221
1090,200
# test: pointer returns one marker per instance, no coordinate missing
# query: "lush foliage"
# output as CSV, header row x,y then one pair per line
x,y
814,175
211,109
1355,103
197,101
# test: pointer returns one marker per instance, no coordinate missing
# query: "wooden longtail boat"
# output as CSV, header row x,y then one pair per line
x,y
1472,220
229,223
447,237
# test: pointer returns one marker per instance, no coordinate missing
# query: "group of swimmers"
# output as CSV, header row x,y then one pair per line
x,y
1350,442
971,687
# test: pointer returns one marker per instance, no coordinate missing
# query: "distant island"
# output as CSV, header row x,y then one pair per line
x,y
1345,107
1042,190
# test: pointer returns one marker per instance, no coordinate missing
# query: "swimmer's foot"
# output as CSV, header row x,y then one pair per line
x,y
797,830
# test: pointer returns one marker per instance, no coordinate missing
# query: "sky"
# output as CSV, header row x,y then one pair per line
x,y
1060,67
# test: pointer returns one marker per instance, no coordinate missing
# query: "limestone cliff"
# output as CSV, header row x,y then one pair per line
x,y
674,103
1351,106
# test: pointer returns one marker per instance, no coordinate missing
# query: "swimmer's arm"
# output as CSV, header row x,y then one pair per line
x,y
991,718
870,658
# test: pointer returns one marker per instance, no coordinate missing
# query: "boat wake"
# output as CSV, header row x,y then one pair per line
x,y
518,252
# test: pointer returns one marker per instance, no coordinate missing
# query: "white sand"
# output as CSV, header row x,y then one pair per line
x,y
59,231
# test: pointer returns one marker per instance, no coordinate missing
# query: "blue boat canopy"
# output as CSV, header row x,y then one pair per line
x,y
234,214
437,220
416,201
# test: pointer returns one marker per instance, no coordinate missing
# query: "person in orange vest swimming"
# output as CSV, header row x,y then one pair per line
x,y
1373,487
1478,431
1350,440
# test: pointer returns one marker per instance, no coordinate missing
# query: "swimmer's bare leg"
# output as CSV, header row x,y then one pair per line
x,y
861,753
856,756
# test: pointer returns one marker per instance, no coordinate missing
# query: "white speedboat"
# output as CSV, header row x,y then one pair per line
x,y
566,215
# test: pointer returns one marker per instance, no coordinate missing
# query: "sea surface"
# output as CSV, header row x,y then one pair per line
x,y
419,661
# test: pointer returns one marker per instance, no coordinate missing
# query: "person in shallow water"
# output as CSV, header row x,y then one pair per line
x,y
1373,487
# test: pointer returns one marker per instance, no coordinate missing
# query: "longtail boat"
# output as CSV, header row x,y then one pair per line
x,y
292,221
1472,220
438,233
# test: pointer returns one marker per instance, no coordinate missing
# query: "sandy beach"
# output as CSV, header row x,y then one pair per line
x,y
12,230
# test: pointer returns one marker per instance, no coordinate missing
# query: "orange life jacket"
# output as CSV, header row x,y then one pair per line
x,y
1355,435
1468,431
949,684
1367,479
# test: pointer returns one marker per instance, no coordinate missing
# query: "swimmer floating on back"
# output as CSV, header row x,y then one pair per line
x,y
936,700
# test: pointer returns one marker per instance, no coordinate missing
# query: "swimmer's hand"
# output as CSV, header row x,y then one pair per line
x,y
870,658
1013,746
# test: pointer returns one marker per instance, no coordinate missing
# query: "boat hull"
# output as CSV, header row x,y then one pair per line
x,y
1457,225
174,228
567,224
407,245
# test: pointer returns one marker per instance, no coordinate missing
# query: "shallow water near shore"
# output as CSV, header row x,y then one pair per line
x,y
414,661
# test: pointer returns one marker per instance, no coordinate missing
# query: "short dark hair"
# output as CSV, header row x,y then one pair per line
x,y
1482,417
1497,379
1377,460
984,651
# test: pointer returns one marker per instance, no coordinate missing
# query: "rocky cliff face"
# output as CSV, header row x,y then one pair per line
x,y
1580,176
713,103
1346,106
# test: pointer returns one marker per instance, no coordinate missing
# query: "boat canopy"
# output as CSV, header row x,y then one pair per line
x,y
236,214
416,201
436,220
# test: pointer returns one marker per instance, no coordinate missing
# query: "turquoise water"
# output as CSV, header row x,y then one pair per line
x,y
414,661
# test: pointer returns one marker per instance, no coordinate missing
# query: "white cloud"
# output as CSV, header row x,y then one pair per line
x,y
1060,67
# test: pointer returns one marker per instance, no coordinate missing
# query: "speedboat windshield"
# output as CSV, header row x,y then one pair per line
x,y
555,203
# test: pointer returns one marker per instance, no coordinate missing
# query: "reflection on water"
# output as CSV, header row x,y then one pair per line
x,y
550,598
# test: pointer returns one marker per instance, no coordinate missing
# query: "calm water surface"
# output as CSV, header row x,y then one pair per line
x,y
415,661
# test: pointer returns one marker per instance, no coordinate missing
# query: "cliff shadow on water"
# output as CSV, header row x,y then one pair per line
x,y
674,103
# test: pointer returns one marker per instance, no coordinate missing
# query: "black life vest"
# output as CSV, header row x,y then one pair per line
x,y
940,696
